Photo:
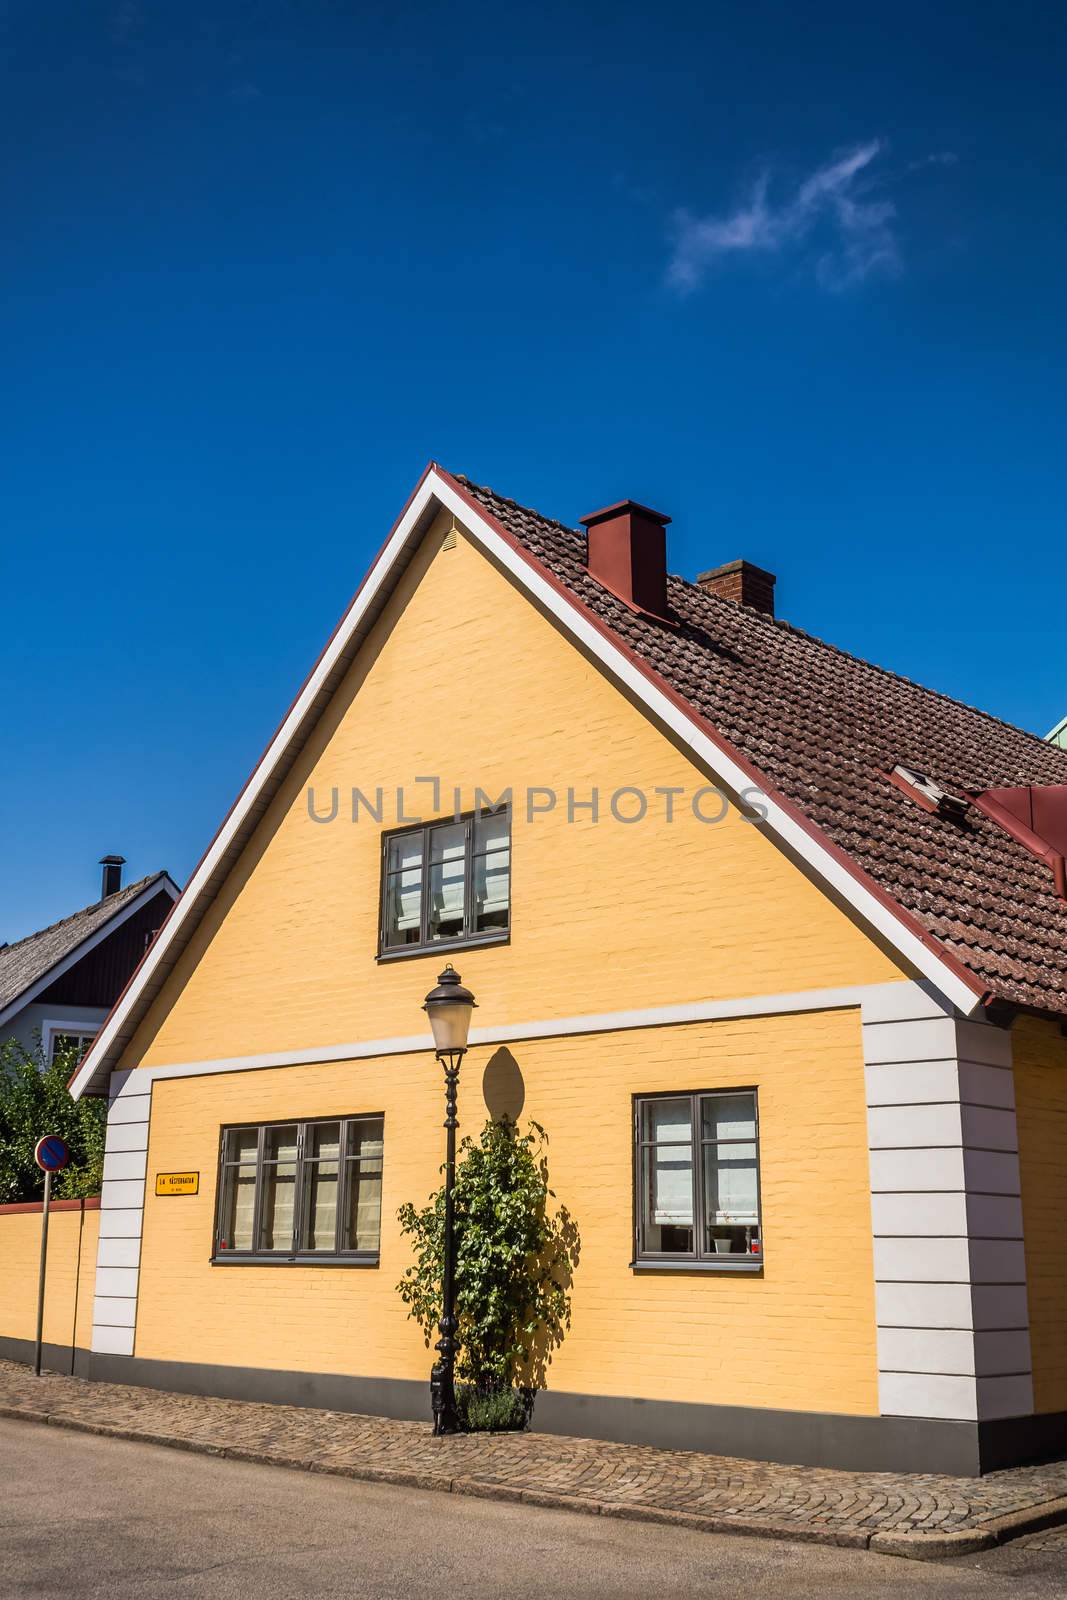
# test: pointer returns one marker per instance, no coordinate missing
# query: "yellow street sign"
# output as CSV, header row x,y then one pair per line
x,y
177,1182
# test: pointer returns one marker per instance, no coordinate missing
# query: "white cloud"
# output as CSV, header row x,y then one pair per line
x,y
937,158
836,221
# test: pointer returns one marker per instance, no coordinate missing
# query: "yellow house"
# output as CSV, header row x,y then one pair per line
x,y
769,940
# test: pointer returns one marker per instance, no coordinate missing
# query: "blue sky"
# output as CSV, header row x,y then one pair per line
x,y
792,275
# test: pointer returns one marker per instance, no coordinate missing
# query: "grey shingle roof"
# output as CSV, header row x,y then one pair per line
x,y
23,963
823,727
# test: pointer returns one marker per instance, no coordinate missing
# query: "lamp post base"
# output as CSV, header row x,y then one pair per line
x,y
443,1400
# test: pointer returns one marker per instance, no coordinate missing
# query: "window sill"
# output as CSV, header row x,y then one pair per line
x,y
235,1259
749,1264
441,947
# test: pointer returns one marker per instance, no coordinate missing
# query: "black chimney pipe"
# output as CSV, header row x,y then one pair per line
x,y
112,880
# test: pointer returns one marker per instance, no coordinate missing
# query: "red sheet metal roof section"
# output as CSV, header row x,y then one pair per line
x,y
1036,816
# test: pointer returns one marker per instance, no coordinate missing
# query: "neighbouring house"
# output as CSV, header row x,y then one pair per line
x,y
770,940
1058,734
58,985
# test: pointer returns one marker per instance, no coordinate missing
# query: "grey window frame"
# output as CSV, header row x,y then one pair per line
x,y
697,1259
468,938
337,1257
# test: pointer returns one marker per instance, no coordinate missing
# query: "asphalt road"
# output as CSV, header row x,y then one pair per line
x,y
83,1517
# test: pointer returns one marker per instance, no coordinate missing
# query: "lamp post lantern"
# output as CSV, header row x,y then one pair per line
x,y
449,1008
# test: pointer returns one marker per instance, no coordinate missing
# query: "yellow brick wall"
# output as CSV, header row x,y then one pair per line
x,y
475,685
1040,1059
801,1337
68,1301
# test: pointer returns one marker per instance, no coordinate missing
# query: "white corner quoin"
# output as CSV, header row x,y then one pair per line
x,y
950,1272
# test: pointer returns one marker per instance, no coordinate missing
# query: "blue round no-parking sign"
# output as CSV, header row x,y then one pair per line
x,y
52,1153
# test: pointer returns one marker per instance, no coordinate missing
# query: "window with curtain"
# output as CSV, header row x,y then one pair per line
x,y
300,1191
696,1180
446,883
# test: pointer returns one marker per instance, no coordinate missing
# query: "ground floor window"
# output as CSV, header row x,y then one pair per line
x,y
300,1191
696,1179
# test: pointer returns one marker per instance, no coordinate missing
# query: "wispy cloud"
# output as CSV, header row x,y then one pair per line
x,y
937,158
838,222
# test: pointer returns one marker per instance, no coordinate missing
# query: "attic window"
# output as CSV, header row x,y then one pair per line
x,y
446,883
921,788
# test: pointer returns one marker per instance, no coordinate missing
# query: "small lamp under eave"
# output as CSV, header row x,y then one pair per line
x,y
449,1008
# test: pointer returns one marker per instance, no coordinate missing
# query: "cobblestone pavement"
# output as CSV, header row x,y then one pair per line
x,y
916,1514
1050,1540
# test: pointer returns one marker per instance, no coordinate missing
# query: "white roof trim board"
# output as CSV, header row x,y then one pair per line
x,y
434,493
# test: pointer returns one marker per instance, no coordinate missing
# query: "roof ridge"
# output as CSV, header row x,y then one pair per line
x,y
72,916
506,500
779,622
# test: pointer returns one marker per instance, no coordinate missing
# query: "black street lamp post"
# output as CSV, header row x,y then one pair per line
x,y
449,1008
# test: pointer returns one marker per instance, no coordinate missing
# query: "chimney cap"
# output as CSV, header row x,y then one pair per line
x,y
112,861
619,509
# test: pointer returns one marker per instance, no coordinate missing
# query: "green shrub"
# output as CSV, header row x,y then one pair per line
x,y
35,1100
514,1264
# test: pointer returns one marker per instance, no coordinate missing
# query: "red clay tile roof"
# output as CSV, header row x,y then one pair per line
x,y
822,725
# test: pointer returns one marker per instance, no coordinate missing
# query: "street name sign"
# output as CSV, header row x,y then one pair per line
x,y
177,1182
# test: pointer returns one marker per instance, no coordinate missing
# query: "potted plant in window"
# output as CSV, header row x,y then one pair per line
x,y
724,1243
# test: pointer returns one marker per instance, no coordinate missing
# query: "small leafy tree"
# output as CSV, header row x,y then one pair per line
x,y
514,1261
35,1100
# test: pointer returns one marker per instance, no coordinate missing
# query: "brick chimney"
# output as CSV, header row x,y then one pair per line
x,y
626,551
742,582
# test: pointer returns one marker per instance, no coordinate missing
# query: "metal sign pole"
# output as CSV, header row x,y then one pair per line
x,y
51,1154
44,1262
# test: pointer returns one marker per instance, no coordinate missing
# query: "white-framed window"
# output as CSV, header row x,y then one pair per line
x,y
696,1180
57,1038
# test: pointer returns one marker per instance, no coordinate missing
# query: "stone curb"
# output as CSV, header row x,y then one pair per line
x,y
912,1546
968,1541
